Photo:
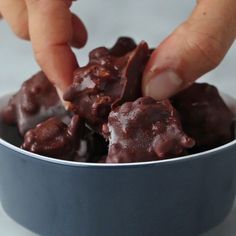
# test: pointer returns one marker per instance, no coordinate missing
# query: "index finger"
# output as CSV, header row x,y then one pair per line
x,y
50,27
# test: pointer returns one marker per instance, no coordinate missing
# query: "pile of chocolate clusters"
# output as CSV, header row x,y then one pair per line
x,y
109,121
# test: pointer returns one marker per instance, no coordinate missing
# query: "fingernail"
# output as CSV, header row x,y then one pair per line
x,y
60,95
163,85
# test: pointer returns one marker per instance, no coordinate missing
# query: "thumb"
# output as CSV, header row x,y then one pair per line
x,y
194,48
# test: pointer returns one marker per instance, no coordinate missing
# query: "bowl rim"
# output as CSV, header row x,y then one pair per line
x,y
207,153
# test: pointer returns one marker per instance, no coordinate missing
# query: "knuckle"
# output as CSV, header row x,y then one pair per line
x,y
39,56
208,49
206,46
42,54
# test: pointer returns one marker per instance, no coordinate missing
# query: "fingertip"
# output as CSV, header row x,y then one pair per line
x,y
15,13
58,63
162,76
162,85
50,24
196,47
80,34
22,31
60,95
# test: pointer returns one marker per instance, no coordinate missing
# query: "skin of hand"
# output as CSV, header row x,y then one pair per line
x,y
52,29
193,49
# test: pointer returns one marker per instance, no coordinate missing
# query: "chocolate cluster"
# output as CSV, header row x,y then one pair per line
x,y
109,120
54,138
204,116
36,101
112,77
145,130
72,142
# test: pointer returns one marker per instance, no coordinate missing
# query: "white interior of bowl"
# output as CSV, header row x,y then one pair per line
x,y
230,101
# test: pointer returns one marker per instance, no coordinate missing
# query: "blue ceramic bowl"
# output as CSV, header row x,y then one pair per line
x,y
178,197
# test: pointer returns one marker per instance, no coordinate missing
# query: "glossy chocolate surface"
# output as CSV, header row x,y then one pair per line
x,y
106,100
110,78
73,141
145,130
53,138
204,116
36,101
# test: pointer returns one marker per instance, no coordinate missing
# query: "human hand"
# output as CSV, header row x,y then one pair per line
x,y
194,48
52,29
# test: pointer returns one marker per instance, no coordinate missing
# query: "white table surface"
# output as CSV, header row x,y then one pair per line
x,y
150,20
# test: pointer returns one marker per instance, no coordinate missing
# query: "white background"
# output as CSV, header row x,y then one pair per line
x,y
148,20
